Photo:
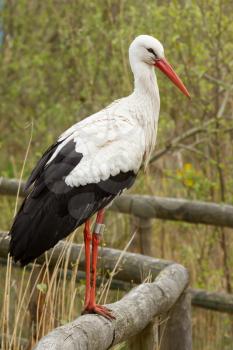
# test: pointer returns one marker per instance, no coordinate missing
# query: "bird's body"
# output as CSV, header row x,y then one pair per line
x,y
91,163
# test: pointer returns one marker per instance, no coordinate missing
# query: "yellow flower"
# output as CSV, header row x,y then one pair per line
x,y
188,167
189,182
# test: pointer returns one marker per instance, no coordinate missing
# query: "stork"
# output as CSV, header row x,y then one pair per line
x,y
90,164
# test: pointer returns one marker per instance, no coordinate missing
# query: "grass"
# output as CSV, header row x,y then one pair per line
x,y
35,301
59,64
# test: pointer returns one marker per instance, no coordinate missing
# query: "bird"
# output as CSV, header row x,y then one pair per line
x,y
90,164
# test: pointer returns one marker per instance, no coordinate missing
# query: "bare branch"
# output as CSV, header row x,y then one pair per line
x,y
219,82
179,139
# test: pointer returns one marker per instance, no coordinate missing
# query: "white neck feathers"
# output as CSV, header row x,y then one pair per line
x,y
146,97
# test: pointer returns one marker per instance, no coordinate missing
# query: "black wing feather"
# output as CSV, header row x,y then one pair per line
x,y
52,209
40,165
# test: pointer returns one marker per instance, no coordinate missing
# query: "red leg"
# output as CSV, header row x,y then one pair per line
x,y
95,244
87,241
92,307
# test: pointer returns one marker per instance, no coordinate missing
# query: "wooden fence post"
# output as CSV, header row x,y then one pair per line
x,y
176,332
143,239
147,339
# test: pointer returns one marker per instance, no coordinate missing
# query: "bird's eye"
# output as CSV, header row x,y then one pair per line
x,y
152,51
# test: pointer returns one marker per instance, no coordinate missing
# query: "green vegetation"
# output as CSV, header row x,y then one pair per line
x,y
63,60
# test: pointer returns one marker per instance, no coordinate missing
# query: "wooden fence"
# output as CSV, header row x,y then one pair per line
x,y
136,322
135,319
152,207
133,268
144,209
167,294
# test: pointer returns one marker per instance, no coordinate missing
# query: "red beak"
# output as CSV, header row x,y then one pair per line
x,y
167,69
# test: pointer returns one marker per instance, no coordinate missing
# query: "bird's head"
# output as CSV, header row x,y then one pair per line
x,y
150,51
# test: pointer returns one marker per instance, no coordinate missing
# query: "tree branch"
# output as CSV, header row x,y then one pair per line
x,y
174,143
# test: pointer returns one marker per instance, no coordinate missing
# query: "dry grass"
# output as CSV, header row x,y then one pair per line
x,y
35,300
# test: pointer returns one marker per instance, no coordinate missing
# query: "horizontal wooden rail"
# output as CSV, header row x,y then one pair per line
x,y
175,209
222,302
155,207
133,269
134,312
9,187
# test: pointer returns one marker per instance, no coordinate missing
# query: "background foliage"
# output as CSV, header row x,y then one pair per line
x,y
63,60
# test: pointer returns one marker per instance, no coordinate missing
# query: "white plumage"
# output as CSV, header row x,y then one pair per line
x,y
117,138
91,163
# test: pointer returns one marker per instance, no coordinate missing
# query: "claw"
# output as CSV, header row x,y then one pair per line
x,y
100,310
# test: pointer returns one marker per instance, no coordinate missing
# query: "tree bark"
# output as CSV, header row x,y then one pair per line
x,y
177,334
175,209
142,242
9,187
133,313
144,232
147,339
222,302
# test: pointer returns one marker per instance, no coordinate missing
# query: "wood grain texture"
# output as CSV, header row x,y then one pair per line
x,y
222,302
176,209
147,339
142,242
177,333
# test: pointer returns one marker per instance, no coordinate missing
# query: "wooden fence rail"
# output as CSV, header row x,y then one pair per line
x,y
155,207
135,315
145,208
132,269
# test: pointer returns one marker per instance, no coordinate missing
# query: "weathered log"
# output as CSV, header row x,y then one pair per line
x,y
142,242
147,339
175,209
156,207
133,313
222,302
9,187
177,329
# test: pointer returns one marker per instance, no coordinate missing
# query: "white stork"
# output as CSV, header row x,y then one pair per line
x,y
90,164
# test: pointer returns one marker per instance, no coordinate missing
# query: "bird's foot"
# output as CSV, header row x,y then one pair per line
x,y
100,310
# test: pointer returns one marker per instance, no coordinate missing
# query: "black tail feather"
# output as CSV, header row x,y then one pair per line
x,y
47,216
